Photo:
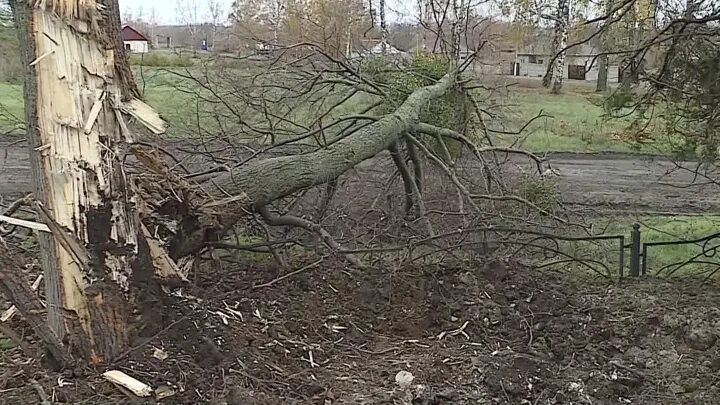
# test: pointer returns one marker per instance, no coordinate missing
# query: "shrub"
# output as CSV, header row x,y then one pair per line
x,y
160,59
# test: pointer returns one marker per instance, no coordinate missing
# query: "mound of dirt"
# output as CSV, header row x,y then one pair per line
x,y
481,333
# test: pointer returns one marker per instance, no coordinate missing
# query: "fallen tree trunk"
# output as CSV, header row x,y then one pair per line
x,y
268,180
259,183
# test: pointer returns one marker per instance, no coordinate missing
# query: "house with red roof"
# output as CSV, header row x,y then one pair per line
x,y
134,40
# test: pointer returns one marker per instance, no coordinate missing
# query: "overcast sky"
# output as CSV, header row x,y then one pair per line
x,y
166,9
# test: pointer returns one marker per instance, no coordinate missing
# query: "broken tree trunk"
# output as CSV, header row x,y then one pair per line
x,y
99,267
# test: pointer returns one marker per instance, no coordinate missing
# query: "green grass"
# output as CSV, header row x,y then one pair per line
x,y
7,344
11,106
573,122
663,228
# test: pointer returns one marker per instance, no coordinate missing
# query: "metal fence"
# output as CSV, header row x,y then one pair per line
x,y
610,255
704,261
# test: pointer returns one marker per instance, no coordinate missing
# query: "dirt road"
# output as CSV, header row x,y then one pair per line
x,y
615,183
626,183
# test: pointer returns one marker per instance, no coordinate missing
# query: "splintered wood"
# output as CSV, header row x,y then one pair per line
x,y
133,385
78,100
77,125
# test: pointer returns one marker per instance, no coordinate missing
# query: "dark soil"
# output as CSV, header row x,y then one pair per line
x,y
474,334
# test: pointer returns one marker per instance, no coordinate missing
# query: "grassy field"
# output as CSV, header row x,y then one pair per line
x,y
573,121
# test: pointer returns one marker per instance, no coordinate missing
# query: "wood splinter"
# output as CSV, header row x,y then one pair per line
x,y
135,386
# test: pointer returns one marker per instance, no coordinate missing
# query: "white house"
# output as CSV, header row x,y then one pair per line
x,y
378,50
135,42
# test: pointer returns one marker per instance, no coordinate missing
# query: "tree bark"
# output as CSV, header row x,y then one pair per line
x,y
554,73
602,80
383,28
563,27
603,61
48,260
416,163
407,179
99,268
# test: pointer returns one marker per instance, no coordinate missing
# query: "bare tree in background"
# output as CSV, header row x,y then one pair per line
x,y
215,14
189,14
383,28
252,17
153,22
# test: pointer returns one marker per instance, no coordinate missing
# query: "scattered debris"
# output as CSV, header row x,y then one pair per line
x,y
137,387
160,354
304,338
404,379
164,391
455,332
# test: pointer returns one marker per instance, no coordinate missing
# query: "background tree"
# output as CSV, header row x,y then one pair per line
x,y
5,14
603,59
262,20
327,23
554,75
188,13
215,14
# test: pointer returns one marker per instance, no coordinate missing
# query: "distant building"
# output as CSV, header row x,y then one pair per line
x,y
377,50
134,41
163,41
581,62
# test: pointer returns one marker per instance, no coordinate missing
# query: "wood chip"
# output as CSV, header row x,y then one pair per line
x,y
41,57
25,224
165,267
136,387
164,391
94,112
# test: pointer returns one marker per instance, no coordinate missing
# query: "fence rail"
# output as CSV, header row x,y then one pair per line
x,y
708,250
706,259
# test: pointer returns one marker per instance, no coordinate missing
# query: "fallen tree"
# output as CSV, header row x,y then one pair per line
x,y
108,240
